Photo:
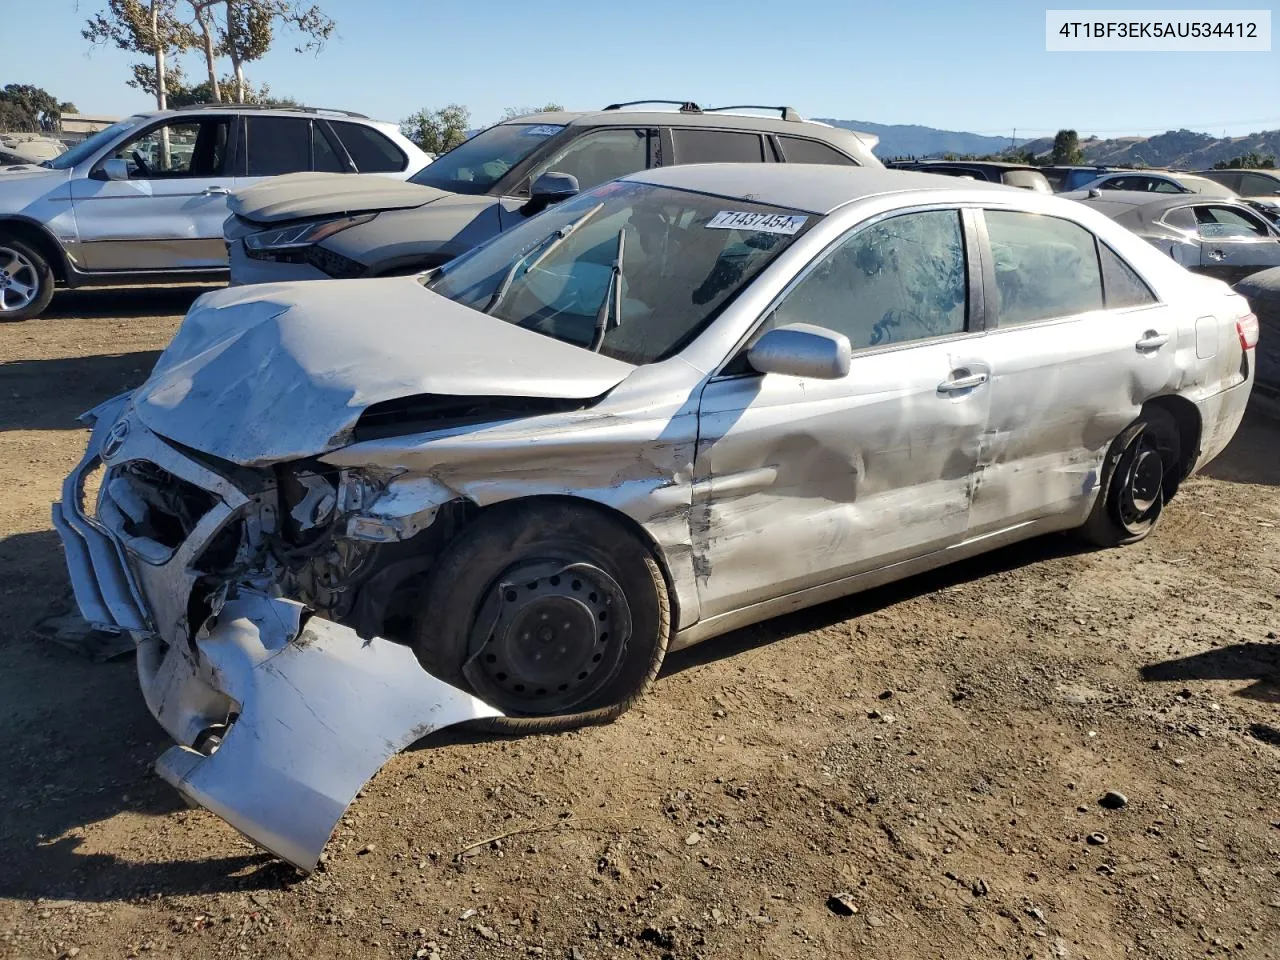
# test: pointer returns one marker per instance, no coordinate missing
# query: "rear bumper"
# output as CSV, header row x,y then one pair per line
x,y
1220,416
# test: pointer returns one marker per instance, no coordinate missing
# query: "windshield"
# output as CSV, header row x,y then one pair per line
x,y
686,256
86,148
479,163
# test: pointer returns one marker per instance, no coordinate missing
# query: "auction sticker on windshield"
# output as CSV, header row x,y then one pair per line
x,y
541,130
760,222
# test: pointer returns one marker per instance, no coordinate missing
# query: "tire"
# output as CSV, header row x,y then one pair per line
x,y
23,268
546,579
1141,471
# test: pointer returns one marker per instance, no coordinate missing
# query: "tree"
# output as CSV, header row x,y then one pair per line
x,y
26,107
181,95
436,131
513,113
248,30
149,27
203,23
1066,148
1249,161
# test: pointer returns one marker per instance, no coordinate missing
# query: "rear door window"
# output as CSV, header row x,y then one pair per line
x,y
371,150
796,150
1045,267
277,145
716,146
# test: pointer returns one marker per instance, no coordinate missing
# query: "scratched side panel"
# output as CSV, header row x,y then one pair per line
x,y
802,482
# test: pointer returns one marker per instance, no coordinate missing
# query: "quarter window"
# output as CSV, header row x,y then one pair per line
x,y
898,280
1121,286
795,150
1258,185
716,146
595,158
1045,267
371,151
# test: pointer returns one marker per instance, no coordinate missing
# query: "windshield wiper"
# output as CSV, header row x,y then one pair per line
x,y
609,316
542,249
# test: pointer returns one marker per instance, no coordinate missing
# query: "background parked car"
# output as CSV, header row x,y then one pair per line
x,y
1163,181
145,199
1067,177
1260,188
1219,237
317,227
1010,174
1262,290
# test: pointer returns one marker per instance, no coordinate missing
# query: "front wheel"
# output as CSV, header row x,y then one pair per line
x,y
1138,474
26,281
553,613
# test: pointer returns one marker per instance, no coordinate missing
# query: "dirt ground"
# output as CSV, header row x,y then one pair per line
x,y
933,752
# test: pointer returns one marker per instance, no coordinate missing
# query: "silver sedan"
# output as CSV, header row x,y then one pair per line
x,y
340,515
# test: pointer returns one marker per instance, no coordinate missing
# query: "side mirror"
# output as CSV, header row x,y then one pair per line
x,y
553,187
116,169
801,350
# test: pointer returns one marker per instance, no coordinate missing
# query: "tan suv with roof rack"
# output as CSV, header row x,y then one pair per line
x,y
314,226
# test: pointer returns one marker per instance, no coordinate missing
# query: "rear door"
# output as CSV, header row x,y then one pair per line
x,y
700,145
1234,242
270,146
168,215
1077,341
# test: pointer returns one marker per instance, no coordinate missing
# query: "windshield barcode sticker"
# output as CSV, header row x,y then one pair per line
x,y
541,130
760,222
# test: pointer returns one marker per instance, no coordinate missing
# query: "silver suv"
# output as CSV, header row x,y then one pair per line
x,y
318,227
144,200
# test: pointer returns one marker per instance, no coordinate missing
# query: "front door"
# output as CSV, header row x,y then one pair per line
x,y
168,214
803,482
1233,242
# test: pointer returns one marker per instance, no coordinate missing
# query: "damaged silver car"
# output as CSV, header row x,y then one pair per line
x,y
340,515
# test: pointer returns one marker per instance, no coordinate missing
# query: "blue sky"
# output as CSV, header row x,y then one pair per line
x,y
980,66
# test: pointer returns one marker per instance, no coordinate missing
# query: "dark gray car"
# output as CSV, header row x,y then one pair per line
x,y
315,227
1219,237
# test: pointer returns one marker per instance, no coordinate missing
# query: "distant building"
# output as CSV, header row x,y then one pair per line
x,y
83,124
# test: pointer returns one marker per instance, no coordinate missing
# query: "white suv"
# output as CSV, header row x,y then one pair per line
x,y
144,200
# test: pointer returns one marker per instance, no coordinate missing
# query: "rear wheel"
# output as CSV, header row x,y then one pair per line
x,y
26,281
553,613
1139,474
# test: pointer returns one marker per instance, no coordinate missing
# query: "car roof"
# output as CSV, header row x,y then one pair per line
x,y
814,188
1139,207
793,125
255,109
995,164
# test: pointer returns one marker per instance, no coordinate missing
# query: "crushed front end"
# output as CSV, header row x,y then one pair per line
x,y
216,570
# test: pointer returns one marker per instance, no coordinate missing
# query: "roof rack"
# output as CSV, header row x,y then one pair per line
x,y
224,105
686,106
787,113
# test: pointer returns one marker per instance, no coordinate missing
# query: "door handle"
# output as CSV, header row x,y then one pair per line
x,y
1151,341
215,191
1217,255
962,383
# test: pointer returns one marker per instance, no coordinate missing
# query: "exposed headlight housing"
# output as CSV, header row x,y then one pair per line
x,y
265,245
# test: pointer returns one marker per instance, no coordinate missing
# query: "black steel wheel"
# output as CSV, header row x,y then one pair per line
x,y
1141,470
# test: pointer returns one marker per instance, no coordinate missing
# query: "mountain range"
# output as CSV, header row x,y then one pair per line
x,y
1179,149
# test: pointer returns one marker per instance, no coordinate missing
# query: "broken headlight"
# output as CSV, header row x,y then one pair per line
x,y
270,243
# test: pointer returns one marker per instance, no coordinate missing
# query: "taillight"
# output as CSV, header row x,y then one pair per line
x,y
1247,328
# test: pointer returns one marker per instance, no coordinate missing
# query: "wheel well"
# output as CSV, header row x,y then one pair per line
x,y
1187,417
39,238
636,530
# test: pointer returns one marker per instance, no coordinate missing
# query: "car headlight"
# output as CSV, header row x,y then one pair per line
x,y
302,235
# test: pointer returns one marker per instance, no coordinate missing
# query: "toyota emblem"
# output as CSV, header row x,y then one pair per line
x,y
115,439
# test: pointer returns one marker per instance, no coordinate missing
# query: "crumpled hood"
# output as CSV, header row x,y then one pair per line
x,y
300,196
276,372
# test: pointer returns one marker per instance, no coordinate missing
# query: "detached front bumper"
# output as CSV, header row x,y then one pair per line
x,y
292,715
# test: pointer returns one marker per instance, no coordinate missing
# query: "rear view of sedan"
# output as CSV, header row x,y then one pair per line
x,y
677,404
